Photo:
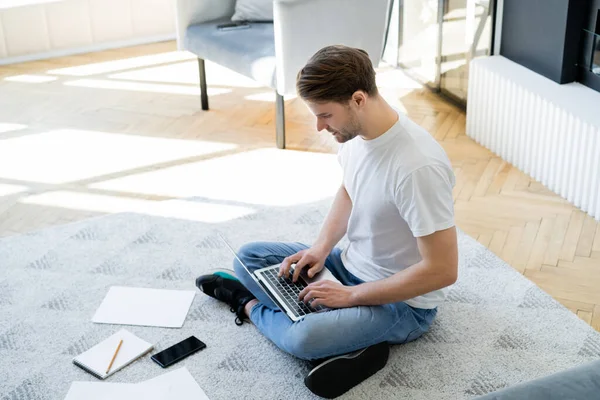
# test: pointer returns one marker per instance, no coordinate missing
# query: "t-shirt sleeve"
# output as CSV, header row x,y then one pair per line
x,y
424,199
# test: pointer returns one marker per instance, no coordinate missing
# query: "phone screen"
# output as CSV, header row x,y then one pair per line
x,y
178,351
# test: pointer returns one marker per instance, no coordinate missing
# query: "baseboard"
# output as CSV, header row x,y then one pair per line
x,y
87,49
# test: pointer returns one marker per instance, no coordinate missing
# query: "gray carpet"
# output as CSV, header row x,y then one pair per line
x,y
496,328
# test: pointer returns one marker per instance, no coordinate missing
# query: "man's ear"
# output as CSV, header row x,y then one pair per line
x,y
359,98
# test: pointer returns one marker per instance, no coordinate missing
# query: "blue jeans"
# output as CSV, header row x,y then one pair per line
x,y
333,332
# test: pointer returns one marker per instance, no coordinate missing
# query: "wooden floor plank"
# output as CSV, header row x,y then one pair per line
x,y
485,239
511,180
540,244
458,128
585,315
525,246
442,130
569,246
487,177
512,242
572,276
559,232
596,318
596,245
577,305
586,239
499,180
498,241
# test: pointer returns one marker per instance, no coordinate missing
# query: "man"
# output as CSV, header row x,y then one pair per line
x,y
395,205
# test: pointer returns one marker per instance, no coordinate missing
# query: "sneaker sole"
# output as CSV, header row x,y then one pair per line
x,y
337,375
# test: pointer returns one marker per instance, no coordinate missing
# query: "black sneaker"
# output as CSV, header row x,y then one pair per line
x,y
337,375
226,288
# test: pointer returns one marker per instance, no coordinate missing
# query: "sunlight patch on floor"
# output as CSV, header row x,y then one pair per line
x,y
67,155
268,97
119,65
194,211
144,87
7,190
6,127
30,78
187,73
267,177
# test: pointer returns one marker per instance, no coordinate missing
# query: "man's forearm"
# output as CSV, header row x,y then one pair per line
x,y
414,281
336,223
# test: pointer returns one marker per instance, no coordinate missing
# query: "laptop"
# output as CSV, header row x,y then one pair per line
x,y
282,291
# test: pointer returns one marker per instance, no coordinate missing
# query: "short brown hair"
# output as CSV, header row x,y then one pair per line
x,y
334,73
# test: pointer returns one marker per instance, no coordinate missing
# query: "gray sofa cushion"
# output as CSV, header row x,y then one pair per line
x,y
253,10
250,52
581,382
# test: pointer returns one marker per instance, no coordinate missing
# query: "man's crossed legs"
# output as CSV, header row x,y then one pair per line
x,y
322,335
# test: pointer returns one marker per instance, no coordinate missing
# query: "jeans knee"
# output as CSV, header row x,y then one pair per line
x,y
303,343
248,251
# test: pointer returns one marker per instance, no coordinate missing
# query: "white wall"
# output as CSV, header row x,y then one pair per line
x,y
37,29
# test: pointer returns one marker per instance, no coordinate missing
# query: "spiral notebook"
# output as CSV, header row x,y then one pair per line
x,y
97,359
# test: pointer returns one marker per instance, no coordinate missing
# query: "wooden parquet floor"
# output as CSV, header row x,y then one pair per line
x,y
151,91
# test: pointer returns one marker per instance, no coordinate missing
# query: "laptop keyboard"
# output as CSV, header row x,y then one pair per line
x,y
289,291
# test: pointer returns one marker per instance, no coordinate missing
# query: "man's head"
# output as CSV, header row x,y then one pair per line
x,y
336,84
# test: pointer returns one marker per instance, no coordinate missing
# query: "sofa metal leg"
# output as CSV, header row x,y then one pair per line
x,y
203,87
280,121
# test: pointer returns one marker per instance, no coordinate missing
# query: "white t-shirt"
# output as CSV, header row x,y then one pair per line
x,y
400,185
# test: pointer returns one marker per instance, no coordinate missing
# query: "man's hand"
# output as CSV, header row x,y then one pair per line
x,y
329,294
314,258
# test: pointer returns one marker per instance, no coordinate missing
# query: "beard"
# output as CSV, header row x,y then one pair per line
x,y
348,132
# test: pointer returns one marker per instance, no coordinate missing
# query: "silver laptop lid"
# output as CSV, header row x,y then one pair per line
x,y
236,256
267,291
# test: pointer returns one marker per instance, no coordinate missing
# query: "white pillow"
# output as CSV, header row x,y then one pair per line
x,y
253,10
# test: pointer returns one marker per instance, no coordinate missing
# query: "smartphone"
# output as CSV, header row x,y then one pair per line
x,y
178,351
233,25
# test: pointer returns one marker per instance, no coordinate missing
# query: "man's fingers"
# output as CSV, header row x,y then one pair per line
x,y
287,262
315,269
316,302
311,295
298,268
306,297
304,291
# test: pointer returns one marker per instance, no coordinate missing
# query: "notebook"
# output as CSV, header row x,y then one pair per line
x,y
97,359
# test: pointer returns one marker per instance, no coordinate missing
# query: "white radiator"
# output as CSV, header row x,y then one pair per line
x,y
547,130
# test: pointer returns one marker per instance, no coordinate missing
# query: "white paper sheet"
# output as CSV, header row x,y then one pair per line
x,y
145,307
178,384
175,385
110,391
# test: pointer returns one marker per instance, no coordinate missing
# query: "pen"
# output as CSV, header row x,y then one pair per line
x,y
114,356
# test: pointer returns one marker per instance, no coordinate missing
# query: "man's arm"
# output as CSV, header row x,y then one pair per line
x,y
437,269
336,223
